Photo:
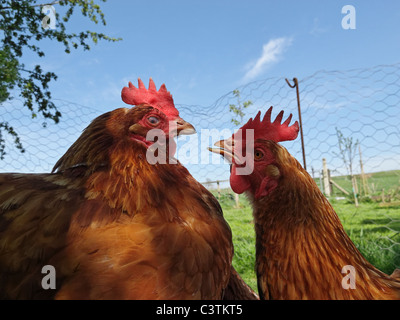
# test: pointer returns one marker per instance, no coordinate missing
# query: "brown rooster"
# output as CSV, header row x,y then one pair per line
x,y
302,250
111,224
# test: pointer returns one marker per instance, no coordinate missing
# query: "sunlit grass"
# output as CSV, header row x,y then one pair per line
x,y
374,230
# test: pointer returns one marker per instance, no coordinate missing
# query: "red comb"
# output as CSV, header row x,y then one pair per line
x,y
161,99
275,131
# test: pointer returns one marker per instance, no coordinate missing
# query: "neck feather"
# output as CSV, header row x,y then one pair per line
x,y
302,247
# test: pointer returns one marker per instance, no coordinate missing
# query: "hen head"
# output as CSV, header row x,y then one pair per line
x,y
160,113
254,153
153,118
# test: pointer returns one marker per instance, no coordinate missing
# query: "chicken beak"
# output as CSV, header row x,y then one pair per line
x,y
225,149
184,127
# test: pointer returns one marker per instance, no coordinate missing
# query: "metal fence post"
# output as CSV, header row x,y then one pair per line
x,y
296,84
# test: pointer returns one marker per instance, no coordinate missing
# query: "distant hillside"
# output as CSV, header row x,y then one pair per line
x,y
375,182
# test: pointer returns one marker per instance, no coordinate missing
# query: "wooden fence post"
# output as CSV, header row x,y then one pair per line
x,y
237,200
321,187
330,182
363,176
355,190
327,190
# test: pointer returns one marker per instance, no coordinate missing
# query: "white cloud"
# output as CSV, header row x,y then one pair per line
x,y
272,53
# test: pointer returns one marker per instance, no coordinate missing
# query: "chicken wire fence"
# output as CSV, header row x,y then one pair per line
x,y
360,106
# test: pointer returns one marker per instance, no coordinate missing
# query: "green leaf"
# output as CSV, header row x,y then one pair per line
x,y
22,32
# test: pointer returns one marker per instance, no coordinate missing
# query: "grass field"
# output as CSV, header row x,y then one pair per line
x,y
389,181
374,229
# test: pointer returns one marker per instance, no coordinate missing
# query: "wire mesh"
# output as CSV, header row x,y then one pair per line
x,y
363,104
44,141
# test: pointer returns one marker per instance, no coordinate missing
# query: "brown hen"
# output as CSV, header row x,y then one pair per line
x,y
302,250
110,223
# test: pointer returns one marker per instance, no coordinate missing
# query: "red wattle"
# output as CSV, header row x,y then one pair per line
x,y
239,183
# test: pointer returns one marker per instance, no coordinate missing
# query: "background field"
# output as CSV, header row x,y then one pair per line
x,y
373,226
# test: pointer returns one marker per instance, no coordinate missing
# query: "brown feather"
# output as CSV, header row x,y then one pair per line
x,y
301,245
112,225
237,289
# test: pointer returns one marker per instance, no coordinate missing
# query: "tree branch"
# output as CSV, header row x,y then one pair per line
x,y
36,5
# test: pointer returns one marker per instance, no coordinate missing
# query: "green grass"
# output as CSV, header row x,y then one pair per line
x,y
375,230
243,236
387,180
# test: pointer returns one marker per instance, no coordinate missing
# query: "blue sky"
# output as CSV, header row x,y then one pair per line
x,y
203,50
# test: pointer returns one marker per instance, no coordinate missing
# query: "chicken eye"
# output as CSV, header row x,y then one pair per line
x,y
153,120
258,155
